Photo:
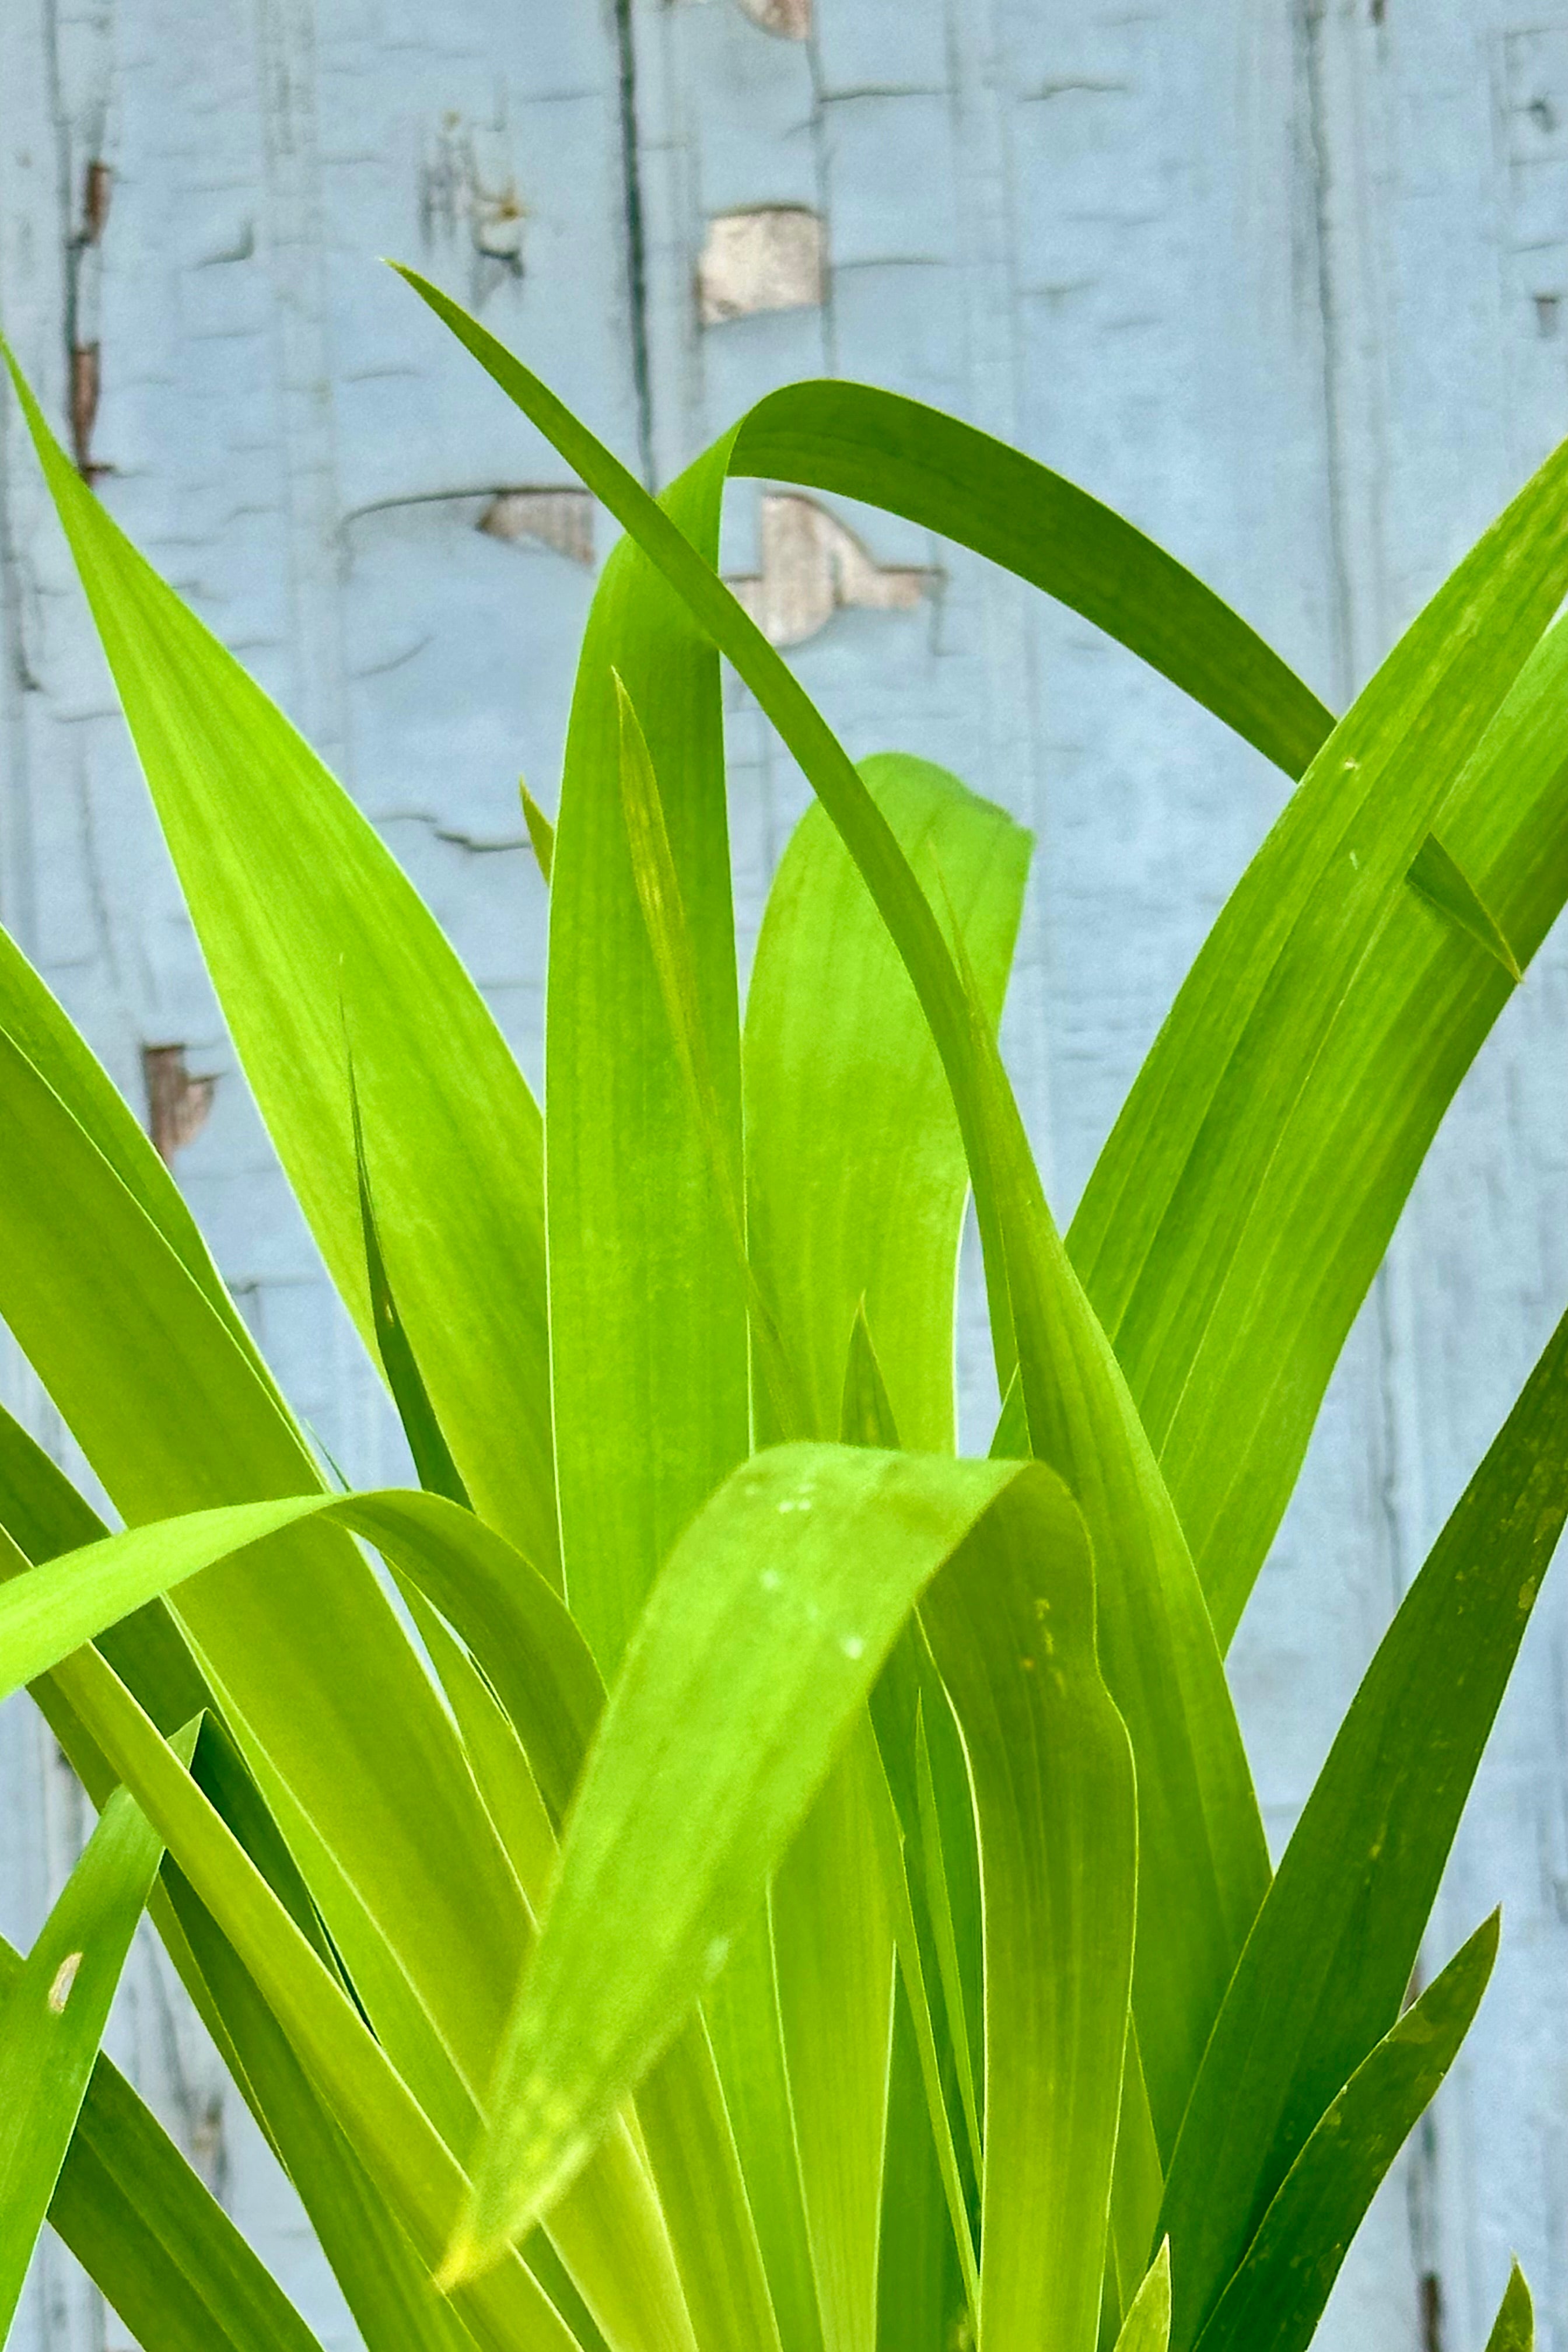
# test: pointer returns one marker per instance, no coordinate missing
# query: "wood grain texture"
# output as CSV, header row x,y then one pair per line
x,y
1285,279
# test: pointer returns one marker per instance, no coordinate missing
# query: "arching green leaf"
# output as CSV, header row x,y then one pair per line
x,y
758,1645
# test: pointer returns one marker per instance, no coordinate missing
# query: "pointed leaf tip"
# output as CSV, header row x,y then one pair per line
x,y
541,832
1513,2330
1436,876
1147,2326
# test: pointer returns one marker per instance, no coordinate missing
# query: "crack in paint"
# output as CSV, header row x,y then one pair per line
x,y
636,236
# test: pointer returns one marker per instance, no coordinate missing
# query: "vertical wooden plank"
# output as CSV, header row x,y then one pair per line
x,y
1175,299
1446,122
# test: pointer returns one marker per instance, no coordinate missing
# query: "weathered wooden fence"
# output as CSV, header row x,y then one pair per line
x,y
1287,279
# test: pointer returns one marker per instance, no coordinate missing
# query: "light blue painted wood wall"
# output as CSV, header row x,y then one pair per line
x,y
1287,279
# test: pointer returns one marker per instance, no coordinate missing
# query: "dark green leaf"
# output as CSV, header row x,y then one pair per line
x,y
150,2235
438,1473
1327,1964
1245,1200
52,2017
1513,2330
1275,2299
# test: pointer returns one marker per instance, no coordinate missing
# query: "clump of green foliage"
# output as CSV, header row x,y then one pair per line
x,y
803,1891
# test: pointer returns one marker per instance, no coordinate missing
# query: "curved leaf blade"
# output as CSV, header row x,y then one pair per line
x,y
132,2220
156,2263
520,1633
362,1770
745,1628
516,1629
758,1645
915,461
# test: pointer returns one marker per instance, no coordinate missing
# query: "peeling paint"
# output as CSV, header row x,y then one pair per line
x,y
770,257
177,1103
82,309
814,566
100,183
563,520
84,390
790,19
467,187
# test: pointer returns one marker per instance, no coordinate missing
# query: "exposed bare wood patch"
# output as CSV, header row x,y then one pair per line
x,y
97,187
790,19
814,566
178,1103
563,520
82,314
768,258
84,389
1429,2301
467,188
